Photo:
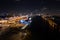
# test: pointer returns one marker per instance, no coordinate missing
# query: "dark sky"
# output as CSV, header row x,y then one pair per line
x,y
28,4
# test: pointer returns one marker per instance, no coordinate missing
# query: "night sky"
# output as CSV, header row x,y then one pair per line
x,y
28,4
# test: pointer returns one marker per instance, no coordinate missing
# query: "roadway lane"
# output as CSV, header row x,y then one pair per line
x,y
15,34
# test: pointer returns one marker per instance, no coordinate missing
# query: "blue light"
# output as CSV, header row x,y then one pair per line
x,y
24,22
